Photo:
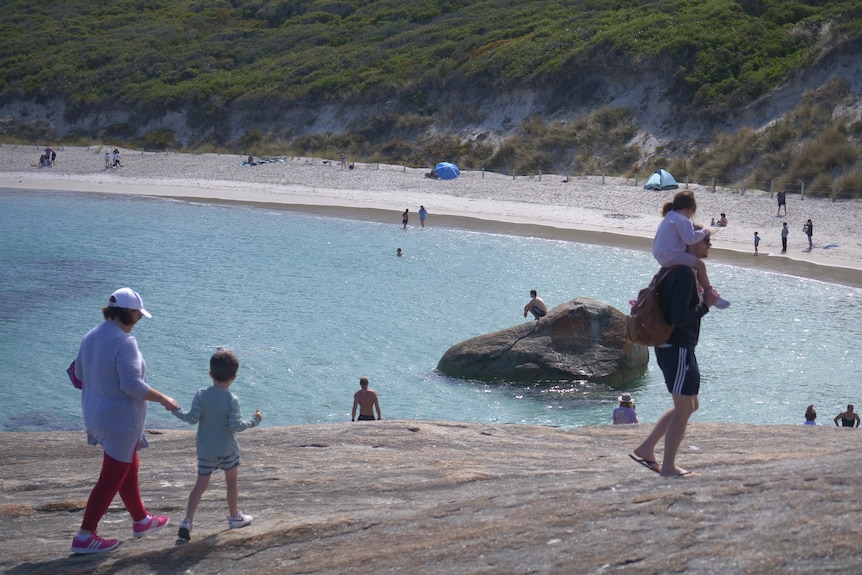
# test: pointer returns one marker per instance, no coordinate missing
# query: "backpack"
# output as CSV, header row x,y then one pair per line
x,y
646,325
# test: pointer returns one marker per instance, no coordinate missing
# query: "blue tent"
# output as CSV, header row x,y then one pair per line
x,y
447,171
661,180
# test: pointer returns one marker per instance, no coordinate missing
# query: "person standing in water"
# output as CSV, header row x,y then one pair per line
x,y
367,402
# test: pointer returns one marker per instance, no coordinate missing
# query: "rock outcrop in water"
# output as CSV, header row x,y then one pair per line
x,y
583,339
428,497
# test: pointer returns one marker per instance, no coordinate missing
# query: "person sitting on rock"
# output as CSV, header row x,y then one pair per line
x,y
536,306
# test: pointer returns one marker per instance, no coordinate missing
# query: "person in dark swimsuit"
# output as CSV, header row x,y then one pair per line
x,y
848,418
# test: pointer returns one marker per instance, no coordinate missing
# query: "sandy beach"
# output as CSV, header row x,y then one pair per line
x,y
590,209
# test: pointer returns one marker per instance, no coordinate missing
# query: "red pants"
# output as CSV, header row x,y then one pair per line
x,y
115,477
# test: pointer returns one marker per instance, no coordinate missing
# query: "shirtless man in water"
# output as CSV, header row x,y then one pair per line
x,y
366,400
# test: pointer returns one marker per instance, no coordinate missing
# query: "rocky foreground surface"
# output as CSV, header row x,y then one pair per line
x,y
432,497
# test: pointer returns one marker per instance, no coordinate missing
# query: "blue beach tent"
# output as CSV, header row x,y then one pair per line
x,y
447,171
661,180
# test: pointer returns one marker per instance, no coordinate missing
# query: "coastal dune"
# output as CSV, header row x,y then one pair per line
x,y
591,209
431,497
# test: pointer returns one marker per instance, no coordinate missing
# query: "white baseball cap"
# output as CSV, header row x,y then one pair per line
x,y
129,299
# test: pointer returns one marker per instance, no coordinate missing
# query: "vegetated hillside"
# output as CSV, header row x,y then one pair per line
x,y
574,86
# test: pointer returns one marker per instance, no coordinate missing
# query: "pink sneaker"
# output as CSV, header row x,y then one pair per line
x,y
93,544
150,524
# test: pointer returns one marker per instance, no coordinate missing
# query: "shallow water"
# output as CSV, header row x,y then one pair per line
x,y
312,303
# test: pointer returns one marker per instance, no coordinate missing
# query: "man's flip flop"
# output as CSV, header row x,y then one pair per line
x,y
651,465
687,474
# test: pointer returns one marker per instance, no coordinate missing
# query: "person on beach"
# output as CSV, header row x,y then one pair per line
x,y
343,160
810,416
216,411
675,232
848,418
722,221
117,163
114,400
535,306
784,231
782,201
683,307
808,230
756,242
423,213
366,400
404,217
625,413
107,160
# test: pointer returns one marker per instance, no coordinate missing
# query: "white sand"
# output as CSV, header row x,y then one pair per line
x,y
612,212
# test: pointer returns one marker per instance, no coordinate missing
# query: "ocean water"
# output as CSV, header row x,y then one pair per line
x,y
312,303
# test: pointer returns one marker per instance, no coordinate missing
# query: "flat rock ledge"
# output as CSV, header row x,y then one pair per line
x,y
434,497
581,340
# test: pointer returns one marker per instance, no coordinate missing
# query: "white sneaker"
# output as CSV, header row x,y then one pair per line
x,y
185,531
722,303
240,520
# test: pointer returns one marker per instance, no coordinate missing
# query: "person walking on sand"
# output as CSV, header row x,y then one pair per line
x,y
404,217
107,160
756,242
848,418
216,411
423,213
675,232
682,308
536,306
114,400
784,231
366,400
782,201
808,229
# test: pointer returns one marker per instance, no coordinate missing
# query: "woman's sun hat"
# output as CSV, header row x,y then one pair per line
x,y
129,299
625,398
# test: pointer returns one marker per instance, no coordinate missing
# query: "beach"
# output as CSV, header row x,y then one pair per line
x,y
590,209
449,496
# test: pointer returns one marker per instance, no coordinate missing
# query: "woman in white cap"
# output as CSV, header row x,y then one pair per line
x,y
115,396
625,413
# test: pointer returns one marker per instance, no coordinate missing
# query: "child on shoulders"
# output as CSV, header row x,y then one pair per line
x,y
675,232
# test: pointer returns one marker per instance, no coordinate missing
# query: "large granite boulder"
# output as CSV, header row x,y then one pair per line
x,y
583,339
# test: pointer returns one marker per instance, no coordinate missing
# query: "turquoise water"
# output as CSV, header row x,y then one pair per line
x,y
311,303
